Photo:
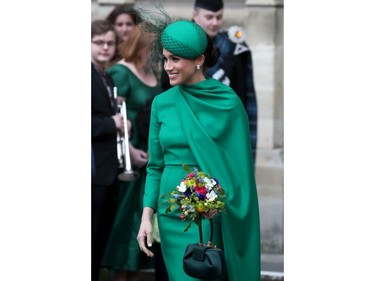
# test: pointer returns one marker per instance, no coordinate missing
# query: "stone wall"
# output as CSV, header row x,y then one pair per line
x,y
263,22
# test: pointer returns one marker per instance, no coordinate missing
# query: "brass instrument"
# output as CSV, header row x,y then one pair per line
x,y
120,152
123,152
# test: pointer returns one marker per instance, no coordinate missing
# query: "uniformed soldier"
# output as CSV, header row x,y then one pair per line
x,y
234,67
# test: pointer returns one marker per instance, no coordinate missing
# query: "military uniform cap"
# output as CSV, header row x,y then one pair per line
x,y
211,5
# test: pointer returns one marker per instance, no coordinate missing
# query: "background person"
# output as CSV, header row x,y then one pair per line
x,y
105,124
123,20
234,66
137,82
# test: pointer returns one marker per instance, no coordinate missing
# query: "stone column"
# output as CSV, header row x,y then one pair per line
x,y
115,2
264,24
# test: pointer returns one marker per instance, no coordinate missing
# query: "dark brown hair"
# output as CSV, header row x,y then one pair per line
x,y
99,27
122,9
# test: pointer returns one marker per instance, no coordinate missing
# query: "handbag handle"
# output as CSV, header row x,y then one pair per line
x,y
209,243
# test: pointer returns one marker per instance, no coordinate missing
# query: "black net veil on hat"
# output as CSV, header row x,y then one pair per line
x,y
154,19
180,36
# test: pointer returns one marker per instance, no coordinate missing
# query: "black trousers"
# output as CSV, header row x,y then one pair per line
x,y
104,200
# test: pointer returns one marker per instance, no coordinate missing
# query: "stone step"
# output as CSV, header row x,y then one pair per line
x,y
265,276
272,268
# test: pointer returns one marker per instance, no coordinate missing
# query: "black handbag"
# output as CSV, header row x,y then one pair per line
x,y
204,261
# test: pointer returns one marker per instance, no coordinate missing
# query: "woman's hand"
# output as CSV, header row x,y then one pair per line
x,y
210,214
129,125
145,232
139,157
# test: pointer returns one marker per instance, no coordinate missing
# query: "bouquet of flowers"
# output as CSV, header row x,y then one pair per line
x,y
196,194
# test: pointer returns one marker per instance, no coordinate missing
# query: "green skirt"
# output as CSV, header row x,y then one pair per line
x,y
173,238
122,251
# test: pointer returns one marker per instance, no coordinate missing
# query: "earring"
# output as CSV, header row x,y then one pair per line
x,y
198,66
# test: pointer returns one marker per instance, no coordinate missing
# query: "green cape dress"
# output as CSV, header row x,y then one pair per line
x,y
204,126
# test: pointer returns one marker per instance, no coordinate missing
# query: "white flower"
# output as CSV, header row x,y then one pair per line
x,y
211,196
181,187
209,183
236,34
192,210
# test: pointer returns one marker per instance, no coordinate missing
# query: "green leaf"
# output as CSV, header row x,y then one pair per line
x,y
188,226
169,209
186,168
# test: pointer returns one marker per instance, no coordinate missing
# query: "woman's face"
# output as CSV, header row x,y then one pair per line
x,y
180,70
124,24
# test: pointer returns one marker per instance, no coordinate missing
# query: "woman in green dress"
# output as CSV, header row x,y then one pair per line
x,y
200,122
136,83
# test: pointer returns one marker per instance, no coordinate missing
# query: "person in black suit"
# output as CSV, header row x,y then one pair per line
x,y
105,124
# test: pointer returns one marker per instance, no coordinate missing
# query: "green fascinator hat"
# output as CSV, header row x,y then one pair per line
x,y
185,39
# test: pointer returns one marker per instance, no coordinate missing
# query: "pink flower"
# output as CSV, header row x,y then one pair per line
x,y
201,190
